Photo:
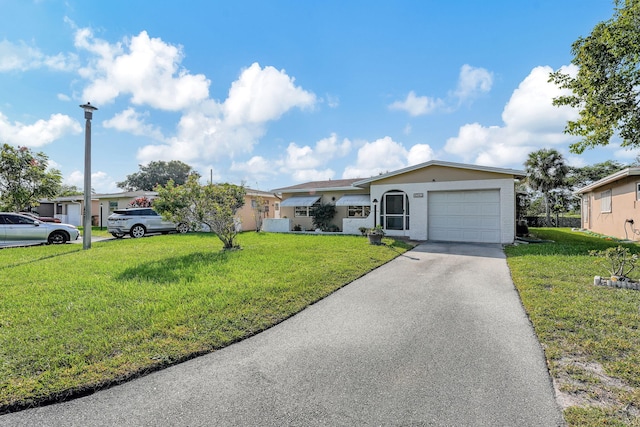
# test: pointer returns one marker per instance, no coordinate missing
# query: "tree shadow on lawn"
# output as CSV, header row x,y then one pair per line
x,y
171,270
35,260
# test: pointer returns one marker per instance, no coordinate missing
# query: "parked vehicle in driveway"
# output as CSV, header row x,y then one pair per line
x,y
20,230
41,218
138,222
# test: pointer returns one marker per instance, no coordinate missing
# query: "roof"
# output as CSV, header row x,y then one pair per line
x,y
515,172
609,179
330,185
259,193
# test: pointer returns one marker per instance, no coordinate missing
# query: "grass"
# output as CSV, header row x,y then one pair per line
x,y
97,231
590,334
72,321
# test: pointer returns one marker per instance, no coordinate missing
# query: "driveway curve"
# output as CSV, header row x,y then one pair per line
x,y
437,337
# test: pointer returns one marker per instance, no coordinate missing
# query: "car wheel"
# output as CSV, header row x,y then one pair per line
x,y
182,228
118,235
57,238
137,231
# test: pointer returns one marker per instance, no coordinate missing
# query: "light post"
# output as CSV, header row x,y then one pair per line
x,y
86,220
375,215
100,216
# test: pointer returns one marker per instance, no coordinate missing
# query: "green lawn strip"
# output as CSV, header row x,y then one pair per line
x,y
591,334
97,231
74,320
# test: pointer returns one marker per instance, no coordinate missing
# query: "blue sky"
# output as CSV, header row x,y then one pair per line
x,y
275,93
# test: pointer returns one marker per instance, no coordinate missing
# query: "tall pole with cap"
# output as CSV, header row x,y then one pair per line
x,y
86,219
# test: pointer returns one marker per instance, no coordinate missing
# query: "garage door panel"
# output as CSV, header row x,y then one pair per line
x,y
464,216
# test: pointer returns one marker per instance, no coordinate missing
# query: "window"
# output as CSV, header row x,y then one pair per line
x,y
305,210
605,201
637,190
358,211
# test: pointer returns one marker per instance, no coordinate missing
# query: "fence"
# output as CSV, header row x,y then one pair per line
x,y
541,221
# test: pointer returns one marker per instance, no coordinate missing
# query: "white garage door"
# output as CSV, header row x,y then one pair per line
x,y
464,216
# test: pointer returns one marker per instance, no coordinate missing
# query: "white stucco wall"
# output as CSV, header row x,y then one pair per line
x,y
418,205
352,225
276,225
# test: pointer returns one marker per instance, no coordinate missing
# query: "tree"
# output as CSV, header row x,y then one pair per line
x,y
257,207
606,88
580,176
546,171
25,178
212,205
158,173
70,190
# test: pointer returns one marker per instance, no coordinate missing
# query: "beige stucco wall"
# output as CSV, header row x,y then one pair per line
x,y
439,174
247,216
306,223
623,206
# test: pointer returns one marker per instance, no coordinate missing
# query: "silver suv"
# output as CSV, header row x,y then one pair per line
x,y
140,221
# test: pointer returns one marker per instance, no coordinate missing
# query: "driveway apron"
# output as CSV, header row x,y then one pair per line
x,y
436,337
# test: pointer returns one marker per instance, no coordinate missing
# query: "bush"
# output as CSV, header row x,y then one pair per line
x,y
322,216
619,260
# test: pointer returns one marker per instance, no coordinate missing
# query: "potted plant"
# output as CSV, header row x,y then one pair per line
x,y
375,235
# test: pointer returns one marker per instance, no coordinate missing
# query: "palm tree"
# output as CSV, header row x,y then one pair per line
x,y
546,171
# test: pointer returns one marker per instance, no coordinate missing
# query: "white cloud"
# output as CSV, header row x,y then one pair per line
x,y
332,101
304,162
530,121
101,182
22,57
257,165
63,97
212,130
147,69
472,82
417,105
531,108
263,94
379,156
133,122
40,133
420,153
313,175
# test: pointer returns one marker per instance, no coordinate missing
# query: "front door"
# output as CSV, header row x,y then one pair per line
x,y
395,211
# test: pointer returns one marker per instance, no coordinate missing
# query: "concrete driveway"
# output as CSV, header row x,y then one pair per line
x,y
437,337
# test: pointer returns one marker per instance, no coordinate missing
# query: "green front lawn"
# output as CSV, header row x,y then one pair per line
x,y
74,320
590,334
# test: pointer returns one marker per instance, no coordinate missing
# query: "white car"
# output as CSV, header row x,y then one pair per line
x,y
21,230
140,221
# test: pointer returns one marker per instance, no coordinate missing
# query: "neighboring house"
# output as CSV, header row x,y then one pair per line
x,y
69,208
258,206
611,206
431,201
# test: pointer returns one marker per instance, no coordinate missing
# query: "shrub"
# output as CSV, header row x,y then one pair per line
x,y
322,216
619,260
